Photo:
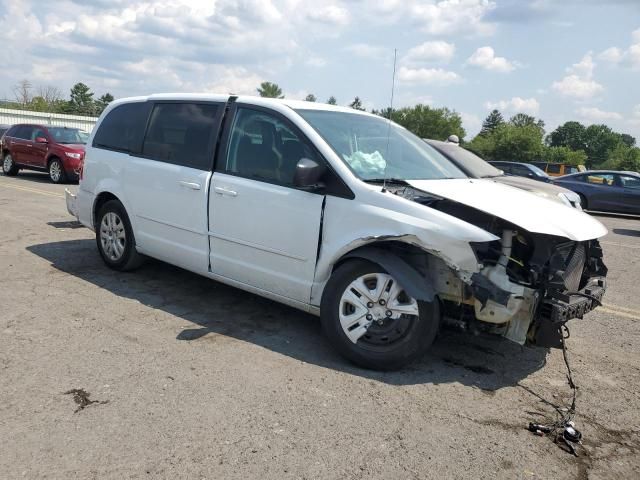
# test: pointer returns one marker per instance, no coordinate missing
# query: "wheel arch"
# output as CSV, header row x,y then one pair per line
x,y
394,257
100,200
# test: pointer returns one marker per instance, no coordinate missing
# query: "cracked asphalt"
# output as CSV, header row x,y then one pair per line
x,y
177,376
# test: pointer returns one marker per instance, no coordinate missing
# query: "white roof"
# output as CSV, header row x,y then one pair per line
x,y
255,100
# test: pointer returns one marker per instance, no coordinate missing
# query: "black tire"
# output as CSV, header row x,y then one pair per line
x,y
56,171
9,168
416,340
583,201
129,259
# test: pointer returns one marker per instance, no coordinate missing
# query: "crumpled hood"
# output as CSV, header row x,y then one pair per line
x,y
524,209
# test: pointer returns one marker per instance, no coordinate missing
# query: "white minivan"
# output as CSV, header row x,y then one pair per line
x,y
336,212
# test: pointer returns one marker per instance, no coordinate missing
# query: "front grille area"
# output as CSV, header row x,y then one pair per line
x,y
574,268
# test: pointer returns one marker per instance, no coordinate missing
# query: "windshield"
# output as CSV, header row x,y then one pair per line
x,y
67,135
375,149
468,161
539,172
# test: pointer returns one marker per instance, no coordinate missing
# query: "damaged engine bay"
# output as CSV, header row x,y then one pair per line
x,y
528,285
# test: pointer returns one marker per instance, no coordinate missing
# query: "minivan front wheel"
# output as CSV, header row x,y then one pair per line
x,y
372,321
115,239
8,167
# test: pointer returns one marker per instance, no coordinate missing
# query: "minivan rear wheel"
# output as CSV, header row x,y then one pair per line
x,y
8,167
372,321
115,239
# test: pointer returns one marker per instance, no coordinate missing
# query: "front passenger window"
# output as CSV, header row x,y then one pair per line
x,y
265,148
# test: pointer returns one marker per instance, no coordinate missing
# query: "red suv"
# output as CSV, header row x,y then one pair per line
x,y
57,150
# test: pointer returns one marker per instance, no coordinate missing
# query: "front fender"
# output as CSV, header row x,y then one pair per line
x,y
415,284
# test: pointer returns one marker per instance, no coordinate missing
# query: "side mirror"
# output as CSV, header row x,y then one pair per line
x,y
308,174
41,140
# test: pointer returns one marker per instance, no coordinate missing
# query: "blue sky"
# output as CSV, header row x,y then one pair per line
x,y
558,60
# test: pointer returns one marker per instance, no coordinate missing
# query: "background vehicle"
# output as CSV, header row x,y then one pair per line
x,y
337,212
605,190
3,129
559,169
522,170
475,167
57,150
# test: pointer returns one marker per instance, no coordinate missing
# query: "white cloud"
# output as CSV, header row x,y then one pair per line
x,y
516,105
330,14
611,55
579,84
446,17
577,87
315,62
629,57
584,67
635,116
594,114
236,80
436,51
365,50
484,57
471,123
427,76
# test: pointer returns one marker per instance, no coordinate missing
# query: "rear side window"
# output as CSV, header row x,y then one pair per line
x,y
182,134
122,128
554,168
23,132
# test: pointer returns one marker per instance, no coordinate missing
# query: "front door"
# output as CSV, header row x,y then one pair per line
x,y
263,231
631,195
38,151
167,184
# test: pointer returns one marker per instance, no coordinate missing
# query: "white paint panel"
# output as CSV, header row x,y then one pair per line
x,y
264,235
531,212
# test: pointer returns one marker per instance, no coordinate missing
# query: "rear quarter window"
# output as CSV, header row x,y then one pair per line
x,y
123,128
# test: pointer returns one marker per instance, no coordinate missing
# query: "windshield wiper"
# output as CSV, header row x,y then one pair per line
x,y
383,180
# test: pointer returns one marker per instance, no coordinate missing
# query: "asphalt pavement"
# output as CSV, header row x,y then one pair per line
x,y
160,373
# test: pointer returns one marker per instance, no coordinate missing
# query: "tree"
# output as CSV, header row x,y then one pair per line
x,y
102,102
493,121
570,135
523,120
623,158
332,100
564,155
310,98
356,104
22,91
428,122
81,101
270,90
50,94
628,140
599,141
517,143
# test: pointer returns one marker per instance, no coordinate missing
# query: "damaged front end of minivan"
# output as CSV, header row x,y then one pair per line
x,y
527,284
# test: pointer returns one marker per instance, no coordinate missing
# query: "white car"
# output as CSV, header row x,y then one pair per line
x,y
336,212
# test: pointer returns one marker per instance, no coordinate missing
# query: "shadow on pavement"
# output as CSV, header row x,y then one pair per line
x,y
31,176
485,362
627,232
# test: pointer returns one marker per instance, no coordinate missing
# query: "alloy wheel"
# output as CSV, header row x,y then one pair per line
x,y
7,165
55,171
113,237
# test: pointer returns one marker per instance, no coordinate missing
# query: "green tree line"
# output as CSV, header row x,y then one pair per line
x,y
81,99
521,138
